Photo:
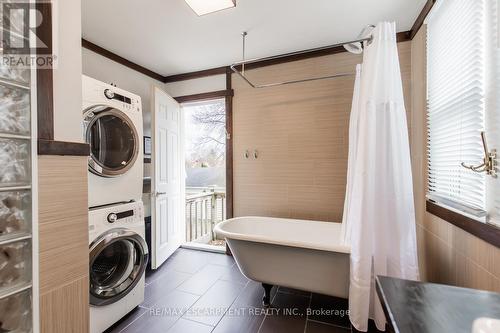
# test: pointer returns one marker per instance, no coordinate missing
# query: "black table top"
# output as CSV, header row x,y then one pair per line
x,y
416,307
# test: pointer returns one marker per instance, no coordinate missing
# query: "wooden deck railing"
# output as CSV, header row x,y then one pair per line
x,y
203,212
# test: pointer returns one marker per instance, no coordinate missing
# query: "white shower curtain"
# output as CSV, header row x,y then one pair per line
x,y
351,160
379,215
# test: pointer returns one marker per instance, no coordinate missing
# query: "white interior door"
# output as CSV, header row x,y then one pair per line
x,y
167,181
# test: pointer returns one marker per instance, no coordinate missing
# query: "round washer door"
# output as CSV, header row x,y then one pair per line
x,y
118,259
113,140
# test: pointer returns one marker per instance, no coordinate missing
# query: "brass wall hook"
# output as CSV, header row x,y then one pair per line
x,y
489,161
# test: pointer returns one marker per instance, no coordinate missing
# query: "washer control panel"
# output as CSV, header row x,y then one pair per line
x,y
128,103
122,215
126,216
97,92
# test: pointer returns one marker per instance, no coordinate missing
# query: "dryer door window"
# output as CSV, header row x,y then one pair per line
x,y
117,262
113,140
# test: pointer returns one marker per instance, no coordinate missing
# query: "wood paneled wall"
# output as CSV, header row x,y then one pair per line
x,y
448,254
419,138
63,243
301,134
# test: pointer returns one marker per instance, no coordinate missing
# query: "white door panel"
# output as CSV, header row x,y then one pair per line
x,y
162,216
162,153
174,168
167,198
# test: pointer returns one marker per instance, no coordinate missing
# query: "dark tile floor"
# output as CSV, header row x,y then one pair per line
x,y
198,292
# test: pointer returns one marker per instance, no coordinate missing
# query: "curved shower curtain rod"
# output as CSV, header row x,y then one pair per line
x,y
268,85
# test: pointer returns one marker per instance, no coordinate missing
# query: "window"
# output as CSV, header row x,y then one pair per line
x,y
462,47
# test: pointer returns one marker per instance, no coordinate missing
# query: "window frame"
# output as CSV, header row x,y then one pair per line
x,y
454,215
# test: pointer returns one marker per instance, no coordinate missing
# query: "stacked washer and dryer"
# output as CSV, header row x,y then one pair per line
x,y
112,125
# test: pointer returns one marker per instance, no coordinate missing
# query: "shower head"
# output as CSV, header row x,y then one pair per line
x,y
357,47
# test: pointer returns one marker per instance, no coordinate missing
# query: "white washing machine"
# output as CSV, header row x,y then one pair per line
x,y
118,258
112,126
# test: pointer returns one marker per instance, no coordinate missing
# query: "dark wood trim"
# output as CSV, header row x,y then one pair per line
x,y
113,56
229,146
205,96
51,147
45,80
421,18
403,36
195,75
486,232
400,36
229,151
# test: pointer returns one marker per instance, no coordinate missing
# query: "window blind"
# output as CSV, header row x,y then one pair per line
x,y
456,104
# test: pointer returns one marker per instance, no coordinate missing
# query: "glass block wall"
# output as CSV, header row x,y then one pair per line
x,y
15,201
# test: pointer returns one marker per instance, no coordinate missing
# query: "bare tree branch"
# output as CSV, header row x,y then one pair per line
x,y
211,142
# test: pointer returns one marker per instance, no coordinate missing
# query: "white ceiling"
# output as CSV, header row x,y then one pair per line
x,y
167,37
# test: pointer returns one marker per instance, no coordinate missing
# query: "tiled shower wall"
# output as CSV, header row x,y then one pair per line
x,y
301,134
447,253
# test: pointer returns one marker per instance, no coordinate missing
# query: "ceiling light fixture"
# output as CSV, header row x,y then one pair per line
x,y
203,7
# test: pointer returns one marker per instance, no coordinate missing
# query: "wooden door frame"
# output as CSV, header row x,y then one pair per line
x,y
229,145
228,96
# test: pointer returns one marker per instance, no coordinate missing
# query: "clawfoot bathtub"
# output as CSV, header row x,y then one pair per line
x,y
305,255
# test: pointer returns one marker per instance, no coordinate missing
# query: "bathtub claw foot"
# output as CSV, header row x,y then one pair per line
x,y
266,300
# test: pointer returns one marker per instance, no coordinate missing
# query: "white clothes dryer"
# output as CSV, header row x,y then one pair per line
x,y
112,126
